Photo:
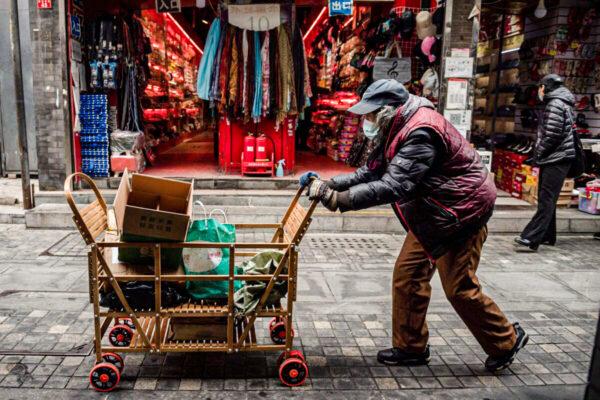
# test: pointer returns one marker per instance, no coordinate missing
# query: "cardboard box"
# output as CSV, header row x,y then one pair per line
x,y
568,185
152,209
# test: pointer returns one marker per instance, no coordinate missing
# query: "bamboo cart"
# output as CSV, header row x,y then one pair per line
x,y
135,330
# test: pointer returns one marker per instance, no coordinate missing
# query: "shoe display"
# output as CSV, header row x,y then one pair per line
x,y
495,364
396,356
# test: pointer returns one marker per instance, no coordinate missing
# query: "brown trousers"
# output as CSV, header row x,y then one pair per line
x,y
412,291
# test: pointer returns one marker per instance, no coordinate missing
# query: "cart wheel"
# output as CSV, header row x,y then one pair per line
x,y
278,333
293,354
293,372
114,359
120,336
125,321
104,377
274,321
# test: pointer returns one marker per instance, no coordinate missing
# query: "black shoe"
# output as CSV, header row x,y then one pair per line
x,y
396,356
549,243
597,235
525,245
495,364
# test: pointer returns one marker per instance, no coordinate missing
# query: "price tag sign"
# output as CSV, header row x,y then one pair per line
x,y
460,119
340,7
166,6
459,67
457,94
255,17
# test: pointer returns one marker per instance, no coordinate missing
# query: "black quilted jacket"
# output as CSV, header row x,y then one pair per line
x,y
555,141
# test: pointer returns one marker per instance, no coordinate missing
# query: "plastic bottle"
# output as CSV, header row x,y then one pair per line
x,y
279,171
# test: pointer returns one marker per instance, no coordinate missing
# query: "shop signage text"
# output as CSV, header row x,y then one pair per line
x,y
165,6
340,7
44,4
255,17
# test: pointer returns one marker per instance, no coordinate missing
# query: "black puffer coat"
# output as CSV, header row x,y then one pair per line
x,y
555,141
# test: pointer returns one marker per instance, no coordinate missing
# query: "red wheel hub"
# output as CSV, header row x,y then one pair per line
x,y
294,373
104,378
120,337
282,334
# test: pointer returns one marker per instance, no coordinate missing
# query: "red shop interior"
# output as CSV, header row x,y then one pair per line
x,y
144,99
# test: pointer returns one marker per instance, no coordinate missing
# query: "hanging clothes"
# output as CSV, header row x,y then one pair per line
x,y
233,72
257,103
208,60
224,71
245,80
298,60
287,95
264,55
214,90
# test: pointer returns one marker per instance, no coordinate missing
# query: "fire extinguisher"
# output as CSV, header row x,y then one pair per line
x,y
249,146
261,148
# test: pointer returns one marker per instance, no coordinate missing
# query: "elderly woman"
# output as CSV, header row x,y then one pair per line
x,y
442,194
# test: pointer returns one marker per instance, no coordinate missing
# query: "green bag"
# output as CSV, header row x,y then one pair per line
x,y
215,261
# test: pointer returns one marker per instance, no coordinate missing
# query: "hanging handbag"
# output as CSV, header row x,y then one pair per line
x,y
387,67
578,165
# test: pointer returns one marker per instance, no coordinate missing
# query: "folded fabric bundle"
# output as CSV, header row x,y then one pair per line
x,y
264,263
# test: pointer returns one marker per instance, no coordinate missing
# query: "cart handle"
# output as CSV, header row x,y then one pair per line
x,y
88,232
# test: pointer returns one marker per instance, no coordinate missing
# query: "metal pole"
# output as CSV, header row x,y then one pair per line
x,y
20,103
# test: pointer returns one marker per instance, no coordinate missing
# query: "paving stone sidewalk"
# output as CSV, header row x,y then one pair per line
x,y
342,319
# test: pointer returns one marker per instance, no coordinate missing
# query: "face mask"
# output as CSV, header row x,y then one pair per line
x,y
369,129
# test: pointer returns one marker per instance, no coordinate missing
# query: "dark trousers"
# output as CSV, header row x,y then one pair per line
x,y
411,292
542,227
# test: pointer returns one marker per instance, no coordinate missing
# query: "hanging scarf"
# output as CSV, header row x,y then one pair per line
x,y
214,85
208,60
258,95
233,70
224,71
249,100
240,72
274,74
298,60
245,80
264,55
287,95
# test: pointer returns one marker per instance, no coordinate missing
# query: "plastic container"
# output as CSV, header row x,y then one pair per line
x,y
589,201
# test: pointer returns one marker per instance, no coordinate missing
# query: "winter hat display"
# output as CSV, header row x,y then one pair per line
x,y
407,24
425,25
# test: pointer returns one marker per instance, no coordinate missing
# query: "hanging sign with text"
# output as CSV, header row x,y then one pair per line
x,y
167,6
255,17
459,67
340,7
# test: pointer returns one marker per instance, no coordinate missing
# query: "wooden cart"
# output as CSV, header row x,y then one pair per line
x,y
134,330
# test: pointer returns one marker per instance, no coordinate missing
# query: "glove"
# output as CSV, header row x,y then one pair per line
x,y
305,178
318,190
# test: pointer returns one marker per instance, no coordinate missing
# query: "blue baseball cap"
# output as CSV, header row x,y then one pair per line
x,y
382,92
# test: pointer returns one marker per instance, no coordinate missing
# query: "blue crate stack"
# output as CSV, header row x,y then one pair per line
x,y
93,115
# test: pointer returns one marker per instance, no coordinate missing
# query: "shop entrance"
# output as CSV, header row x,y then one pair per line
x,y
200,93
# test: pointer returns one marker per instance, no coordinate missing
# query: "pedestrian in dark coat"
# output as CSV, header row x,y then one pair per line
x,y
555,152
443,196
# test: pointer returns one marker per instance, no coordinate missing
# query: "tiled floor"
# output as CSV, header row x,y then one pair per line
x,y
342,319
